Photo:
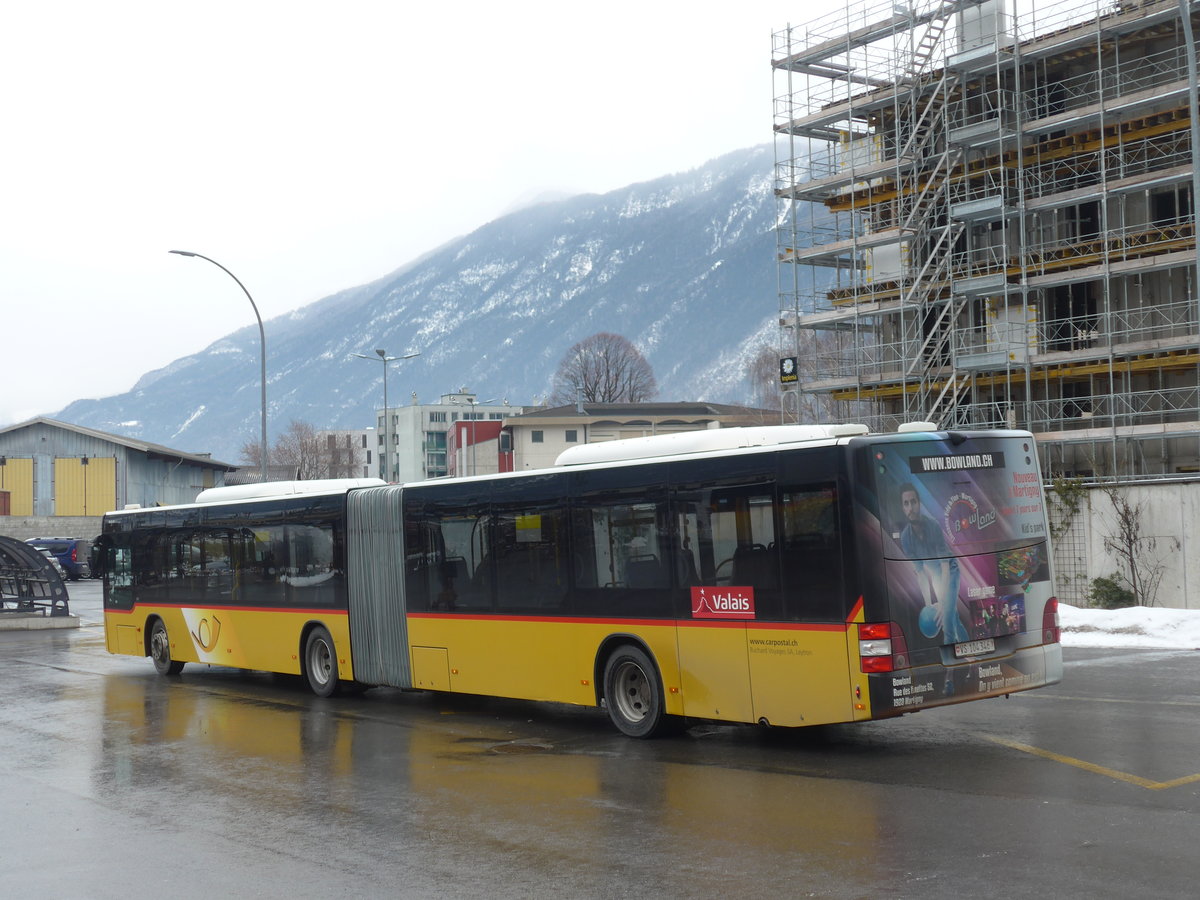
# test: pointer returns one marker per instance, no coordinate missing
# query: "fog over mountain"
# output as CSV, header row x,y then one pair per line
x,y
683,266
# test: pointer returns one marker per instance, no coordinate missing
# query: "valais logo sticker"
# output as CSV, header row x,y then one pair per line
x,y
722,603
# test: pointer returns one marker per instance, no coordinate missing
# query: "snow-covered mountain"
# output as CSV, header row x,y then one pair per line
x,y
683,266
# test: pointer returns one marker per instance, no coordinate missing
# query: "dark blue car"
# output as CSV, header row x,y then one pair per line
x,y
72,554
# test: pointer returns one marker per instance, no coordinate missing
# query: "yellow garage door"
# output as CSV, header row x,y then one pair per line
x,y
16,477
85,487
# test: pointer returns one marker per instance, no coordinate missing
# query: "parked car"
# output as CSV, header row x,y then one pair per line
x,y
72,554
53,560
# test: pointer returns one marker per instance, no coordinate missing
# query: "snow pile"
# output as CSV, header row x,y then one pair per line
x,y
1137,626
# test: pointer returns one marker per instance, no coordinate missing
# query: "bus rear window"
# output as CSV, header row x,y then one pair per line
x,y
939,498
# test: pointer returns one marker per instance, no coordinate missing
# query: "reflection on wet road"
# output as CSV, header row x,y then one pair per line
x,y
127,784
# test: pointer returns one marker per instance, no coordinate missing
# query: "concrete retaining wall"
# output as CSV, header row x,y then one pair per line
x,y
1169,516
24,527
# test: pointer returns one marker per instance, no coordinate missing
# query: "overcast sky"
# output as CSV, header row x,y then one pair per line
x,y
311,147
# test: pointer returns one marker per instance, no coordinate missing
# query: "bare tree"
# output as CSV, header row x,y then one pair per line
x,y
604,368
300,448
764,378
251,455
1142,562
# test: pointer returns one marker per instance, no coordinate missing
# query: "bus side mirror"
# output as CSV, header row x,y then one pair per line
x,y
99,556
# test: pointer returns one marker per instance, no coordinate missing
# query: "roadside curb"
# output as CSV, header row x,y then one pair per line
x,y
28,622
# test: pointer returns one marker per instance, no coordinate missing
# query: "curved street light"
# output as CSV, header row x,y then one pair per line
x,y
262,336
381,356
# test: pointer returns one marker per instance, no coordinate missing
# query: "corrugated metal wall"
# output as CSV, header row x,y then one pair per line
x,y
375,578
16,477
85,486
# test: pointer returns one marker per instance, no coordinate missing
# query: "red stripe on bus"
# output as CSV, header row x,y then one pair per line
x,y
662,623
855,611
207,606
453,617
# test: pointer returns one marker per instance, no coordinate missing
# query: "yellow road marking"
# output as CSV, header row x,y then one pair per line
x,y
1137,780
1041,695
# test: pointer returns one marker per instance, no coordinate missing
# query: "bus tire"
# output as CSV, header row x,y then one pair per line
x,y
633,694
160,650
320,662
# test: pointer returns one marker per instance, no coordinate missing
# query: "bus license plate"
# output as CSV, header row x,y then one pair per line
x,y
974,648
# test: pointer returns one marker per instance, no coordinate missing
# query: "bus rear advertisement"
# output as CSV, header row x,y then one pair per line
x,y
962,541
781,575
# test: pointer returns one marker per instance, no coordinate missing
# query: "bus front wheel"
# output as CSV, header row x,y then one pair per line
x,y
160,650
320,662
633,693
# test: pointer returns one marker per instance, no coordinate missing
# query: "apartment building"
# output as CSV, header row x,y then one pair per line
x,y
348,453
417,434
987,219
539,435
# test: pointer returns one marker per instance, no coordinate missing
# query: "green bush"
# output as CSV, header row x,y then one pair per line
x,y
1109,593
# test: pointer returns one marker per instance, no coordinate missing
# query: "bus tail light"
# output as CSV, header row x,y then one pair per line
x,y
881,647
1051,632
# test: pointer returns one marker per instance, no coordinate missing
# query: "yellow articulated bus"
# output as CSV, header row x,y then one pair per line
x,y
785,575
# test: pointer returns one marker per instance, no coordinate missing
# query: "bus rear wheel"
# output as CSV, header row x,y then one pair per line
x,y
633,694
320,662
160,650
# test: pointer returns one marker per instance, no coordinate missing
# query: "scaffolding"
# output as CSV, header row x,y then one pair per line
x,y
987,219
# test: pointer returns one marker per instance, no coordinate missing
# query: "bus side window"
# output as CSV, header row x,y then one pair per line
x,y
429,579
466,579
260,554
621,557
312,575
446,561
812,557
118,573
530,553
727,537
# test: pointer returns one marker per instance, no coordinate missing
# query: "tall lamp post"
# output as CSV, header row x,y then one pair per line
x,y
262,336
382,356
475,403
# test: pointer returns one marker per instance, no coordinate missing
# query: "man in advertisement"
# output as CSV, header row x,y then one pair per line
x,y
923,541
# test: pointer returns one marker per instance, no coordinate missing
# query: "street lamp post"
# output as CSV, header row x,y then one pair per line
x,y
262,337
382,356
475,403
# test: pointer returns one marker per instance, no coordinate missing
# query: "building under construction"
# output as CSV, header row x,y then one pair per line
x,y
987,219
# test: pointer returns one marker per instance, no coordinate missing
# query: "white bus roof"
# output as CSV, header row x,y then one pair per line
x,y
703,441
259,490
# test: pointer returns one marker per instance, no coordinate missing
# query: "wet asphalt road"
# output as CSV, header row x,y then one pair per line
x,y
118,783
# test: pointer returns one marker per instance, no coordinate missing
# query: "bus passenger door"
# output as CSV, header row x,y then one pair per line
x,y
799,661
726,535
714,670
